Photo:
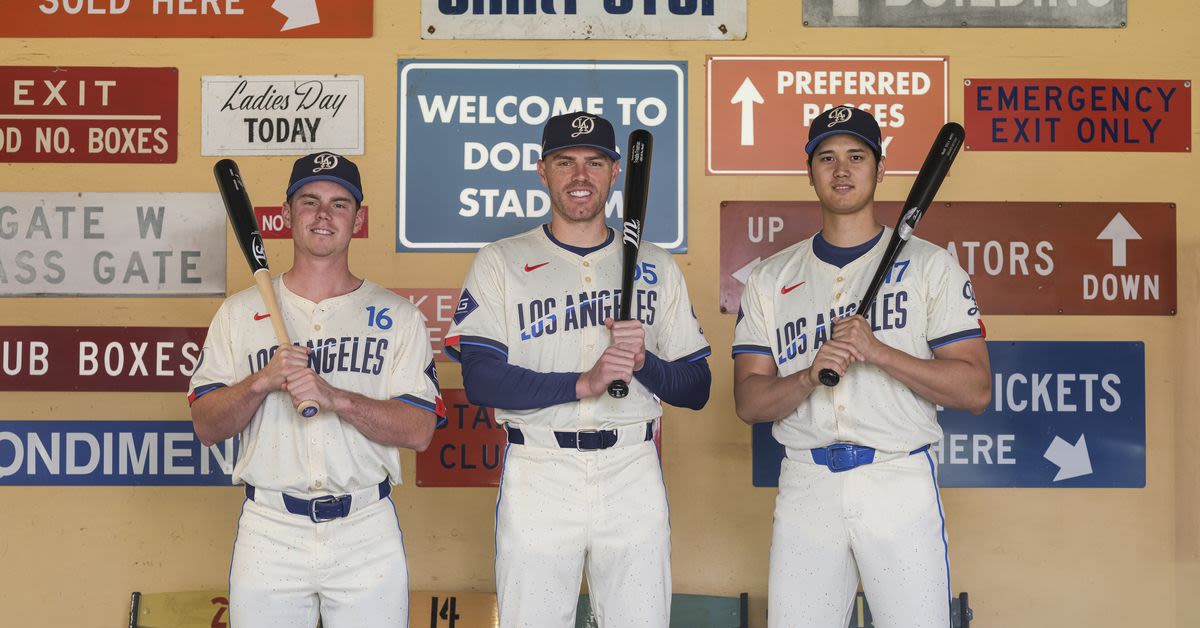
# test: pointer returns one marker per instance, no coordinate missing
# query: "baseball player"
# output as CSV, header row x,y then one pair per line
x,y
858,496
318,534
582,487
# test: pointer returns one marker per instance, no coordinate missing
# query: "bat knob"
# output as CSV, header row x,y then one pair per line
x,y
618,389
829,377
308,409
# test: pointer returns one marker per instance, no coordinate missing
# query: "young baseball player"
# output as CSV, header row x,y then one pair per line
x,y
318,535
582,487
858,496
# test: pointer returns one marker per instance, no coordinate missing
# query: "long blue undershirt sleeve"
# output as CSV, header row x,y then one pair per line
x,y
681,384
491,381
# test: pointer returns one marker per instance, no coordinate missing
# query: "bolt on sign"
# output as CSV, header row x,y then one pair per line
x,y
186,18
760,108
88,114
1063,415
437,305
270,223
1111,115
589,19
282,115
1023,257
967,13
105,359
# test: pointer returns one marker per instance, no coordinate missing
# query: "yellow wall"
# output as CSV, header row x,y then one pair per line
x,y
1101,558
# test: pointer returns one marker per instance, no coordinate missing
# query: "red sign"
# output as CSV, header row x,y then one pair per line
x,y
104,359
467,451
270,224
88,115
760,108
186,18
437,305
1078,115
1023,258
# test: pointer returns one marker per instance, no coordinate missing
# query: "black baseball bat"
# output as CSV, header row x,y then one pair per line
x,y
245,227
633,218
925,186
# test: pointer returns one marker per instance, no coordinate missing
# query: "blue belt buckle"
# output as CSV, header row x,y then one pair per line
x,y
840,457
321,501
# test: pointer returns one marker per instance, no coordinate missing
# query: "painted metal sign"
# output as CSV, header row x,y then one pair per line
x,y
437,305
569,19
112,244
967,13
282,115
1063,415
760,108
88,114
186,18
467,450
469,141
1112,115
111,453
1023,257
270,223
107,359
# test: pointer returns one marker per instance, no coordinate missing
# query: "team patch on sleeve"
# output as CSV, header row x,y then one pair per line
x,y
740,316
431,373
466,305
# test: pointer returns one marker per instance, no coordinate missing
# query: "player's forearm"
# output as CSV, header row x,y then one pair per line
x,y
223,413
947,382
767,398
392,422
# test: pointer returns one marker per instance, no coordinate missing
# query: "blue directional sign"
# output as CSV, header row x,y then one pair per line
x,y
111,453
469,137
1063,414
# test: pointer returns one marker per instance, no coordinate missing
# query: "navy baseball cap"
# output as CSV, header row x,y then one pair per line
x,y
579,129
326,167
848,120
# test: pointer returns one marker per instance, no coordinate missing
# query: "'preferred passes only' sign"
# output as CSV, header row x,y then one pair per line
x,y
470,138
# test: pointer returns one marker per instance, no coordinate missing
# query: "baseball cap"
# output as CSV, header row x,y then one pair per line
x,y
848,120
579,129
326,167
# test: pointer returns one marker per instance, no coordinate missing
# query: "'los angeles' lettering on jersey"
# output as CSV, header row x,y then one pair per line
x,y
348,354
576,311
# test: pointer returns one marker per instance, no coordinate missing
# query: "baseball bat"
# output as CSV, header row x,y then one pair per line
x,y
633,219
925,186
245,227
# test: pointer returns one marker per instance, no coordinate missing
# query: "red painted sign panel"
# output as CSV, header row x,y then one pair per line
x,y
437,305
104,359
270,224
1078,115
88,114
467,451
760,108
186,18
1023,258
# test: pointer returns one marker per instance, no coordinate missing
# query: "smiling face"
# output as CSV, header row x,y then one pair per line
x,y
322,216
579,180
844,174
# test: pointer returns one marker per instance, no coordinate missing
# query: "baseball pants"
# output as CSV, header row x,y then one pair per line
x,y
880,522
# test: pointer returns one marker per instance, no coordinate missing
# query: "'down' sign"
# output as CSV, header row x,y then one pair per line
x,y
112,244
470,138
282,115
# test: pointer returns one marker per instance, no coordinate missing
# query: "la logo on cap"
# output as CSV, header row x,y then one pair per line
x,y
325,161
840,115
583,125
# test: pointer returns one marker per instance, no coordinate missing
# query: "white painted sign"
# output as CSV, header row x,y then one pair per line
x,y
282,115
111,244
967,13
583,19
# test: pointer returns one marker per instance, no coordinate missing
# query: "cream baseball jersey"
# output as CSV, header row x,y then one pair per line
x,y
368,341
927,301
543,306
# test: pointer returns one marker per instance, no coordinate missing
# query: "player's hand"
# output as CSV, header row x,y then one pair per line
x,y
631,336
287,359
305,385
856,332
835,355
615,363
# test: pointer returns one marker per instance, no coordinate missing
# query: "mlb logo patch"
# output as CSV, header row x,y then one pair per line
x,y
466,305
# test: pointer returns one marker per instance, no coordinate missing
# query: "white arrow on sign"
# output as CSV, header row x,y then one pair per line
x,y
1072,460
1119,231
743,274
299,13
747,96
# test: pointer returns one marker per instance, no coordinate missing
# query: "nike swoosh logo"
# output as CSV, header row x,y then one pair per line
x,y
787,289
530,269
259,317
